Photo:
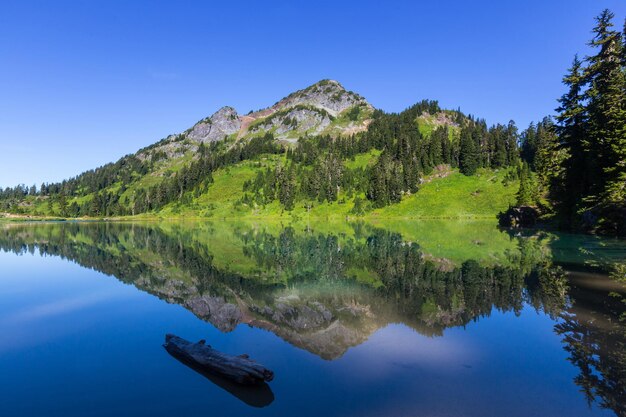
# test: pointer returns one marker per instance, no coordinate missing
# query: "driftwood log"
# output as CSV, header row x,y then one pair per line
x,y
240,369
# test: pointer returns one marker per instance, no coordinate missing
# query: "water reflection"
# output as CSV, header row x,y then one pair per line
x,y
328,291
595,339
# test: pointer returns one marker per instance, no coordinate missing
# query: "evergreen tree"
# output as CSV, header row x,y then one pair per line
x,y
548,155
592,129
572,120
469,158
359,207
525,193
512,139
73,210
286,179
529,145
63,205
607,115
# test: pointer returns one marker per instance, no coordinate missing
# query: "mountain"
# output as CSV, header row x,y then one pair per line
x,y
321,151
315,110
325,107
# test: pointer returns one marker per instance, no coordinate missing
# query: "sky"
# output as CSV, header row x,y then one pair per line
x,y
83,83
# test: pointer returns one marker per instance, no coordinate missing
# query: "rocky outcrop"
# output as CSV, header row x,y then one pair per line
x,y
328,95
221,124
442,118
295,122
325,329
310,111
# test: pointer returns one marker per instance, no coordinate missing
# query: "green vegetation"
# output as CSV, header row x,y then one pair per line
x,y
424,162
456,196
581,162
322,176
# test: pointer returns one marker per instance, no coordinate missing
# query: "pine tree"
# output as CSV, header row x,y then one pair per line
x,y
529,145
359,207
63,205
548,157
526,186
607,114
592,130
51,206
572,120
499,147
286,181
469,158
512,139
74,210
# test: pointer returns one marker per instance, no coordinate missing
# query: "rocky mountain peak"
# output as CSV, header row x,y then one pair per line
x,y
328,95
309,111
226,112
222,123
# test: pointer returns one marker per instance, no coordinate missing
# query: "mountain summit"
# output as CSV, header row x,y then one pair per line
x,y
219,125
314,110
310,111
325,107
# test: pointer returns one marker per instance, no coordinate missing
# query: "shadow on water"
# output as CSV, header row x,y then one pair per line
x,y
259,396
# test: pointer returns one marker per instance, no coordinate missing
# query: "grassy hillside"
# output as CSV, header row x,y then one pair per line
x,y
450,195
456,196
446,195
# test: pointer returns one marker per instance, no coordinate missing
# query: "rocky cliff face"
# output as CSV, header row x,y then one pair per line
x,y
326,95
294,122
221,124
325,107
310,111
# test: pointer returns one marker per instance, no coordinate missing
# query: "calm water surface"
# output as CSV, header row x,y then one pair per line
x,y
399,319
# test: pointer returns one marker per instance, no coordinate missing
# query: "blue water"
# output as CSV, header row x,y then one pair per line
x,y
78,342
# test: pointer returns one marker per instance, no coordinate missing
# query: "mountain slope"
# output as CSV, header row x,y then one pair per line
x,y
321,151
325,107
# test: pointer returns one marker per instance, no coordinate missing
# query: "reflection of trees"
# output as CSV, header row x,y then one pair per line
x,y
327,271
325,292
426,294
595,339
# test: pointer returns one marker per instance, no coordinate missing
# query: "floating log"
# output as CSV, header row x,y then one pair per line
x,y
240,369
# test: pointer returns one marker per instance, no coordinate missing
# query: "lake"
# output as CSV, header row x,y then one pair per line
x,y
428,318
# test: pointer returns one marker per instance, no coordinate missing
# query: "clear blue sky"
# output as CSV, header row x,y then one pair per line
x,y
84,82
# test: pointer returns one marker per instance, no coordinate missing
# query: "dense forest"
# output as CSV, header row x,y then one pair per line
x,y
314,170
571,167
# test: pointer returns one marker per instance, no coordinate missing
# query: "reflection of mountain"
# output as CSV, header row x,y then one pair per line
x,y
323,293
328,292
